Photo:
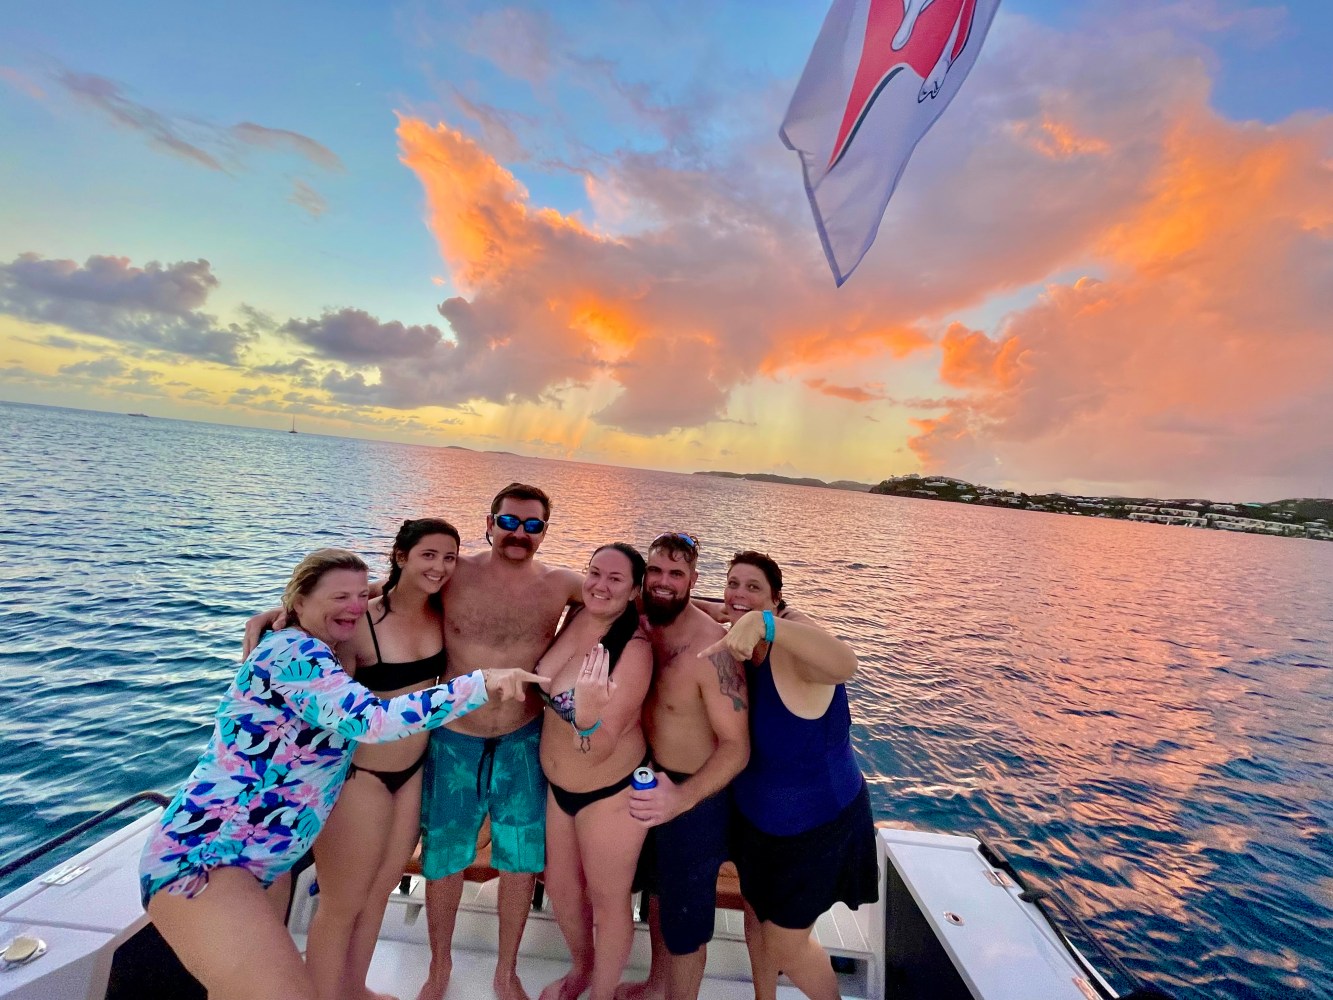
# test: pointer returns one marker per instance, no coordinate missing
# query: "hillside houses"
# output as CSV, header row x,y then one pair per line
x,y
1296,518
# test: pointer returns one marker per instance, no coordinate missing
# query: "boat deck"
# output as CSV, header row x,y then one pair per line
x,y
402,957
400,967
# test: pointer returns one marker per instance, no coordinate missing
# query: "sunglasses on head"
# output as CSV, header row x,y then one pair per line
x,y
509,522
675,536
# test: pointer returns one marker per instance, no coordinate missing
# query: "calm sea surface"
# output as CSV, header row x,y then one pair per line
x,y
1138,713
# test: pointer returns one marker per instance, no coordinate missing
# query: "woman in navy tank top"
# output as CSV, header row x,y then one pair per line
x,y
804,836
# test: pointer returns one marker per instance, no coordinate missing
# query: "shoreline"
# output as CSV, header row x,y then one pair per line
x,y
1306,517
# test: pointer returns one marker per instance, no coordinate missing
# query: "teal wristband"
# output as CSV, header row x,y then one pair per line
x,y
770,627
585,733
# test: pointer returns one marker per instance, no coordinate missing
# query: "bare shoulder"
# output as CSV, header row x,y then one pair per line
x,y
638,648
557,583
706,632
792,615
704,629
562,573
359,650
470,563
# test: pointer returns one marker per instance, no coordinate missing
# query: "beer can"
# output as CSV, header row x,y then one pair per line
x,y
642,778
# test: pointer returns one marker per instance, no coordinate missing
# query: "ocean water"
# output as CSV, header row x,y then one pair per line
x,y
1138,714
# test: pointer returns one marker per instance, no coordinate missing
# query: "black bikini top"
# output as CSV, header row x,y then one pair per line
x,y
383,676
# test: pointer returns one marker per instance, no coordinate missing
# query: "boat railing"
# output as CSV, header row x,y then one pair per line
x,y
1044,900
25,859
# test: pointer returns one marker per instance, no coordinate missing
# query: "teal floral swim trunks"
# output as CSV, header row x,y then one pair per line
x,y
468,777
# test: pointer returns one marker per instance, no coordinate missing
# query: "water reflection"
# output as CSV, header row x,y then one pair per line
x,y
1134,710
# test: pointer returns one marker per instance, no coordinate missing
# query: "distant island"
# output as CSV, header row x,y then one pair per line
x,y
764,477
1296,518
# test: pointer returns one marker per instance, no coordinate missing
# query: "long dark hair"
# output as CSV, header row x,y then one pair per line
x,y
622,630
407,539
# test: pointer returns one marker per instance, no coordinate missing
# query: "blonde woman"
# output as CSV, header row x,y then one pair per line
x,y
268,779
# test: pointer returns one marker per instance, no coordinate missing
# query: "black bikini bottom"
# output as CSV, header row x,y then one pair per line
x,y
392,780
571,802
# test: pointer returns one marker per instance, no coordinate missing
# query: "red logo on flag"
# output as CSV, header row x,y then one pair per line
x,y
925,35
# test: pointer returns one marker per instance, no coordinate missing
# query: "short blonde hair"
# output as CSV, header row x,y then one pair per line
x,y
311,570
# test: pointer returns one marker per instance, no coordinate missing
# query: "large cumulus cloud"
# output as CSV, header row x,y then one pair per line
x,y
1092,149
677,313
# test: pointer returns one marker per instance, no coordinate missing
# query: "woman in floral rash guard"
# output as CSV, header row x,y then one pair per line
x,y
269,777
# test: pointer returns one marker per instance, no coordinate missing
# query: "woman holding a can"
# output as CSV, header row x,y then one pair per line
x,y
600,666
804,837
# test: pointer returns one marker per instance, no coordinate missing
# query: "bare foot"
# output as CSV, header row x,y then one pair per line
x,y
568,987
437,981
646,990
508,986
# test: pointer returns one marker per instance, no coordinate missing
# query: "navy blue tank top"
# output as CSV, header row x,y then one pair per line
x,y
802,772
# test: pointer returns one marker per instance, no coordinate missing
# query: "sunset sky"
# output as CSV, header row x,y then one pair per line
x,y
569,230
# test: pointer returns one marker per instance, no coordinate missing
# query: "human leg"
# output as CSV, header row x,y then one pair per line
x,y
655,986
763,973
514,904
279,896
609,840
645,883
348,854
231,940
569,901
517,804
404,829
805,963
690,849
453,806
442,898
685,973
788,881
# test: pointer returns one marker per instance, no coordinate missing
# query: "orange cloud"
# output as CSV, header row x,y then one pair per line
x,y
971,359
676,315
853,393
1204,360
478,210
1219,180
1058,139
848,341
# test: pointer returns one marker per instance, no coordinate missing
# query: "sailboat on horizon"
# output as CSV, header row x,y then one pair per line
x,y
293,430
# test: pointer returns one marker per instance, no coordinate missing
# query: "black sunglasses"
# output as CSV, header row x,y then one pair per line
x,y
509,522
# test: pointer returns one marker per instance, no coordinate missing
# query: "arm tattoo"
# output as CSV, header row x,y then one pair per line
x,y
730,679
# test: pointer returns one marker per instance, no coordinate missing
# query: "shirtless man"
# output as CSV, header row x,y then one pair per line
x,y
696,718
501,608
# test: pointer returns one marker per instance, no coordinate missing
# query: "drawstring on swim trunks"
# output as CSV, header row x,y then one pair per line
x,y
488,749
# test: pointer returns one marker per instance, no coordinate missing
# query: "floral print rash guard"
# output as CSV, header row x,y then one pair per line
x,y
277,759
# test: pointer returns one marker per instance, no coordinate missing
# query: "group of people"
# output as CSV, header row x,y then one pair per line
x,y
458,694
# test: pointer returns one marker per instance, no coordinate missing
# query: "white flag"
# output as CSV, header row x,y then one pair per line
x,y
880,74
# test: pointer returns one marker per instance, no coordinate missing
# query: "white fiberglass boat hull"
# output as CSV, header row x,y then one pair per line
x,y
949,924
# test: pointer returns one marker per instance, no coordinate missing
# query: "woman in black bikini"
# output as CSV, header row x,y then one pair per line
x,y
369,837
600,667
